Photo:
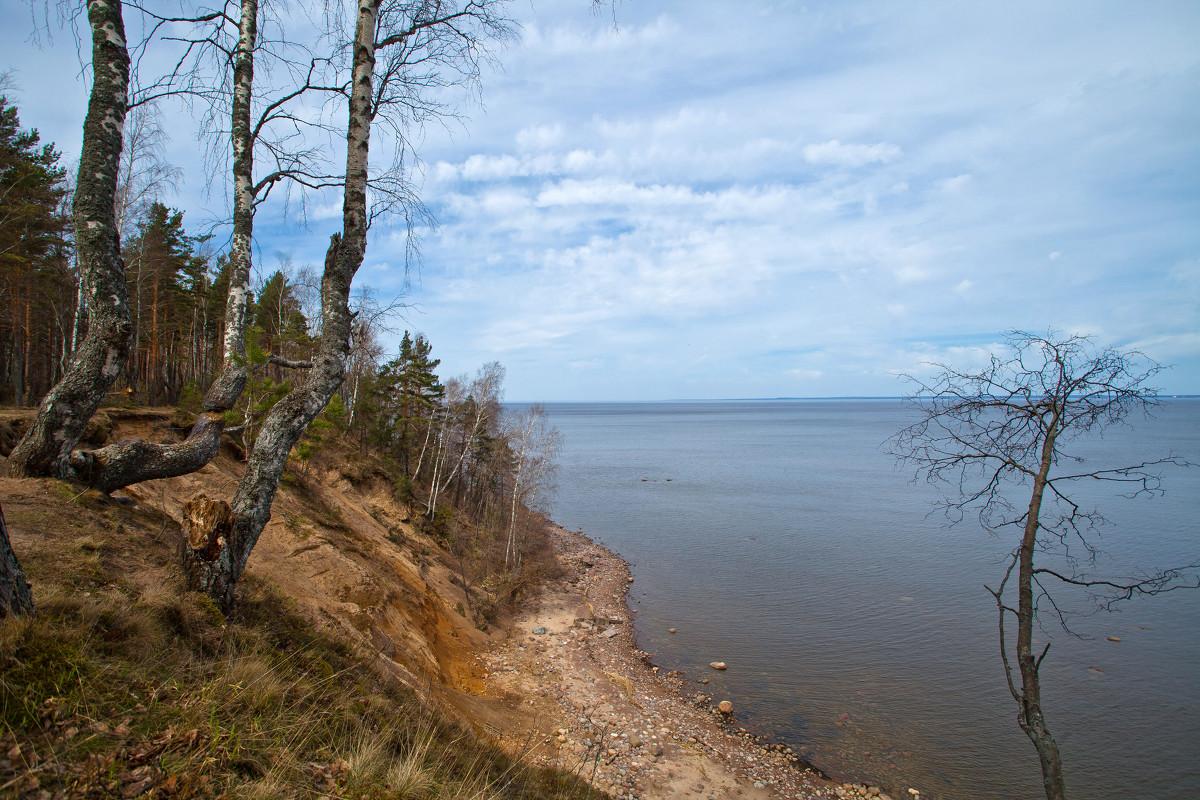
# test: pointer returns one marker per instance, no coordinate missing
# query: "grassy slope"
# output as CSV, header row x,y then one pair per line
x,y
124,685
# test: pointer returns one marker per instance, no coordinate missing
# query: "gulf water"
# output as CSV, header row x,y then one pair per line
x,y
779,537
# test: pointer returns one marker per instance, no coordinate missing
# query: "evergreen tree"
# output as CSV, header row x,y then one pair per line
x,y
163,275
408,394
32,245
278,316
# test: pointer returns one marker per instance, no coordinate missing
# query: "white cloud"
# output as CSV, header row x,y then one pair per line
x,y
955,184
490,168
850,155
603,191
574,41
539,137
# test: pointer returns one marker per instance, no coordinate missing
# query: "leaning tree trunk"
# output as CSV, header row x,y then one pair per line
x,y
133,461
16,598
64,412
216,567
1031,719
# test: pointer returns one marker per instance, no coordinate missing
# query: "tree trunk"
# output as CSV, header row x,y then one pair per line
x,y
251,506
64,412
289,418
1031,719
129,462
153,357
17,368
79,327
16,598
228,386
511,547
207,525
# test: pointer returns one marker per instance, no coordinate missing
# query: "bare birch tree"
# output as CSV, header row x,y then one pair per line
x,y
994,435
424,45
534,444
65,410
468,409
133,461
145,173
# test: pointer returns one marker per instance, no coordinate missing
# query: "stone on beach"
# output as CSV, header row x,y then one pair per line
x,y
718,665
725,707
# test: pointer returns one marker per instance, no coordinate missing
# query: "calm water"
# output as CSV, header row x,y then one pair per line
x,y
778,537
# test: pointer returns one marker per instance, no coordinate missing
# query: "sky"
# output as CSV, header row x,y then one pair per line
x,y
711,199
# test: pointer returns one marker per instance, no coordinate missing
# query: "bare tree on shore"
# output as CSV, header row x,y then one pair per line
x,y
535,445
1006,430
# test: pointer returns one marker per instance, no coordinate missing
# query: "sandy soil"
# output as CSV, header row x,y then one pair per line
x,y
596,705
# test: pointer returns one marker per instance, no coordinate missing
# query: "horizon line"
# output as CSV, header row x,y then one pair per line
x,y
769,399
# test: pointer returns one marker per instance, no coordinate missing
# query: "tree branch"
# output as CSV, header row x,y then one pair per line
x,y
287,363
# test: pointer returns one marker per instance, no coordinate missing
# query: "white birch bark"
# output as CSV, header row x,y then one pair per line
x,y
251,506
133,461
64,412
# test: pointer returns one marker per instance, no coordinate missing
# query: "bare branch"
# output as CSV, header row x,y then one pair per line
x,y
1159,583
288,363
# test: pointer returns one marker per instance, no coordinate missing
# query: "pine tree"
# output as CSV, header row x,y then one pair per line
x,y
413,395
277,314
162,273
32,244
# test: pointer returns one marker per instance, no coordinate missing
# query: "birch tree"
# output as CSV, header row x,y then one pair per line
x,y
16,598
534,444
470,408
133,461
1004,434
423,45
65,410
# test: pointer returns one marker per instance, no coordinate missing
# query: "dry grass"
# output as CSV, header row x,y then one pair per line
x,y
124,685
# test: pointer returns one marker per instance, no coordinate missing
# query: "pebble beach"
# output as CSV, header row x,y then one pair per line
x,y
602,709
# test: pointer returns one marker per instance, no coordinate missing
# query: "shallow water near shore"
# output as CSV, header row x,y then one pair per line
x,y
778,537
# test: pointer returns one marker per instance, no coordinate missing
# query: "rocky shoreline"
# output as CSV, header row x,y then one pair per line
x,y
601,709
